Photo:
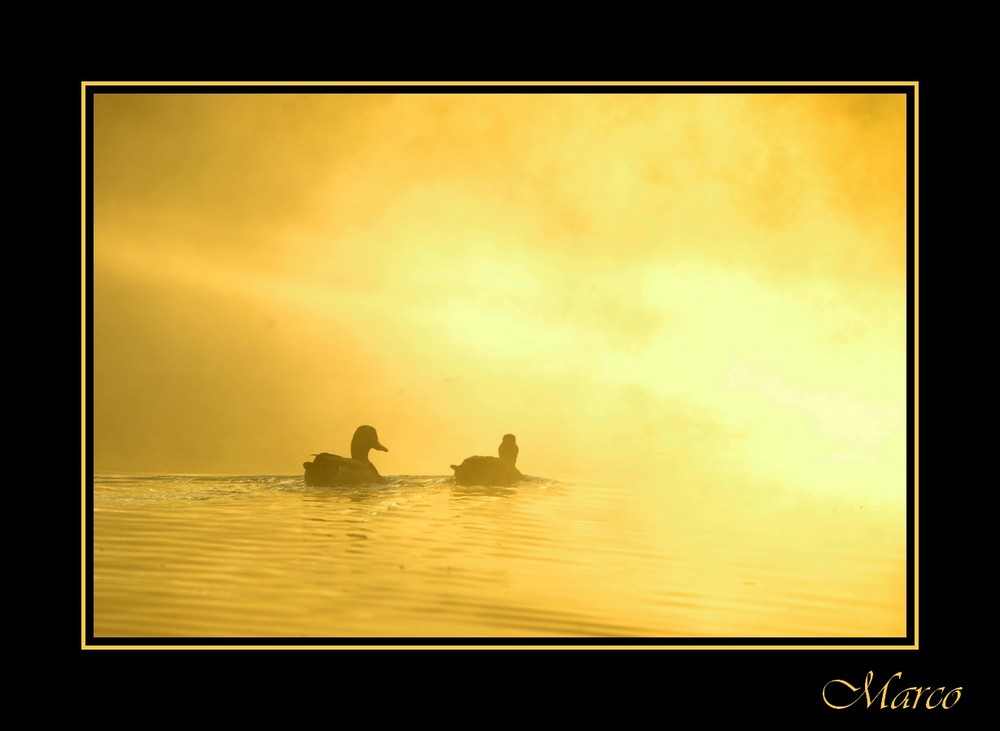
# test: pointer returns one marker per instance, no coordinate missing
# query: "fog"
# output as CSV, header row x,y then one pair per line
x,y
633,284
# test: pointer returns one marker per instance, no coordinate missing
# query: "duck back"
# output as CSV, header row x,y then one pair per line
x,y
486,471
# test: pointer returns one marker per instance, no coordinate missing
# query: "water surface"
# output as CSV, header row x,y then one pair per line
x,y
267,556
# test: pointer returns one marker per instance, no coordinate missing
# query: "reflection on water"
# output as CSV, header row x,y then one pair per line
x,y
422,557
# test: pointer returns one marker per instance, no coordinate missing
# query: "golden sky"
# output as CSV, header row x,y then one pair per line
x,y
627,282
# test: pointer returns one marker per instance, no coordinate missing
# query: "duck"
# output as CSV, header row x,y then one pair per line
x,y
480,470
328,470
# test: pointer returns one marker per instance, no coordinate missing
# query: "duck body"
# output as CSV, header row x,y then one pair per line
x,y
486,471
331,470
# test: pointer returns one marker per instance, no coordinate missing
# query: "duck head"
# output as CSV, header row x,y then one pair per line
x,y
365,439
508,449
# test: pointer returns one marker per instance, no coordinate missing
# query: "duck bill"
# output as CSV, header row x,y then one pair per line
x,y
379,447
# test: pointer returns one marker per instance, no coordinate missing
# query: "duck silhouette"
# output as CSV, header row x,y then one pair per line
x,y
500,470
329,470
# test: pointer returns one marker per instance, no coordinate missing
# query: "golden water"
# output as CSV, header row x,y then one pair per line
x,y
266,556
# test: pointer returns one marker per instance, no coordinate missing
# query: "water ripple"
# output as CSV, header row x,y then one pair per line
x,y
267,556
